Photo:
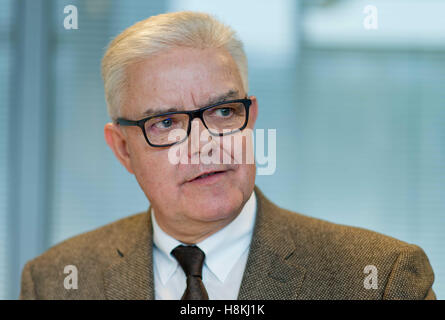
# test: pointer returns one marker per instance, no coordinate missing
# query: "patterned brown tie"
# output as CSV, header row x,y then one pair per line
x,y
191,259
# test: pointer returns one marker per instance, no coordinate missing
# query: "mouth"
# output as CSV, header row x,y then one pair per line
x,y
208,177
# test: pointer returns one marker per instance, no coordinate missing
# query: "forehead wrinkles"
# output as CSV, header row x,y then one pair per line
x,y
197,65
190,75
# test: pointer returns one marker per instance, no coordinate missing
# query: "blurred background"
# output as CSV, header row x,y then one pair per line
x,y
359,113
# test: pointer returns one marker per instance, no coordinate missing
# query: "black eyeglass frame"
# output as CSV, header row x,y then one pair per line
x,y
198,113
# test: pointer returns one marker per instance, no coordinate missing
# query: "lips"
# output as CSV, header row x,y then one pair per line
x,y
205,174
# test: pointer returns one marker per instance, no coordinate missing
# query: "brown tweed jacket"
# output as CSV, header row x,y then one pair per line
x,y
291,257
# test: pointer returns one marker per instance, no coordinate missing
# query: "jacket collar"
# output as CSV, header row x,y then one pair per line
x,y
130,275
272,271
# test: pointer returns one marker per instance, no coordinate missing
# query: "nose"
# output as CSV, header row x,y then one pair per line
x,y
198,138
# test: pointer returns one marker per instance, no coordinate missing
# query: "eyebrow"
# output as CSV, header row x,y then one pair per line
x,y
231,94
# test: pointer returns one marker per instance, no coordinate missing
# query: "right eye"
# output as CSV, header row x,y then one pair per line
x,y
163,124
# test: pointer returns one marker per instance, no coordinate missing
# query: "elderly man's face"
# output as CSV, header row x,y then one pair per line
x,y
184,78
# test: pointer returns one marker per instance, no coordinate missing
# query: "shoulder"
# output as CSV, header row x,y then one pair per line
x,y
90,253
338,257
327,236
96,243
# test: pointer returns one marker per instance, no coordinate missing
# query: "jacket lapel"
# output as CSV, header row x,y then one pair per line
x,y
130,276
272,271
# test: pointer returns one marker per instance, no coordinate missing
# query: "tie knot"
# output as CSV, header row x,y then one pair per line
x,y
191,259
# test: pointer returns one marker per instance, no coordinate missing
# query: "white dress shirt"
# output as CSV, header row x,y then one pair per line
x,y
226,253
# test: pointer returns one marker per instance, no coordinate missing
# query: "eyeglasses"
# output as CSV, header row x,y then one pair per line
x,y
220,119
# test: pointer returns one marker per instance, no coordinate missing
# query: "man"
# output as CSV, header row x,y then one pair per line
x,y
177,83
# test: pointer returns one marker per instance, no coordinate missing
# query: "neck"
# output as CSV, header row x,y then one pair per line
x,y
192,232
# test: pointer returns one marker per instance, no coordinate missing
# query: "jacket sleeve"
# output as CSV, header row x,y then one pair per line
x,y
27,290
411,277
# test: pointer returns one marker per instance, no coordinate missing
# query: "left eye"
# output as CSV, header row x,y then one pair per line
x,y
164,124
224,112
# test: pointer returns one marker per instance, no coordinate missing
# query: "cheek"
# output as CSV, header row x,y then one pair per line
x,y
246,172
153,172
239,147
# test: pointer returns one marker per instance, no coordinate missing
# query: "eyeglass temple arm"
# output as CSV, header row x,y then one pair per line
x,y
125,122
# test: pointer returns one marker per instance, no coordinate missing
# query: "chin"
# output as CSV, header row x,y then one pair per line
x,y
217,208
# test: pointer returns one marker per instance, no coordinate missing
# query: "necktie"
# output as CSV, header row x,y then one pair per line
x,y
191,259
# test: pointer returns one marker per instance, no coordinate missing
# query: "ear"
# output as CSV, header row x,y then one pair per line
x,y
253,111
117,141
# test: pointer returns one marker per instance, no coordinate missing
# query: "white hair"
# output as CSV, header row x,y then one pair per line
x,y
160,33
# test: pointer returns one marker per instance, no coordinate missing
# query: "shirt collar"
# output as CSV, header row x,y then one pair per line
x,y
222,249
166,264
